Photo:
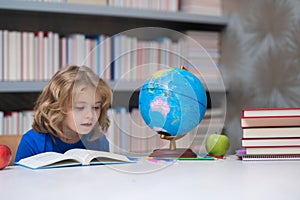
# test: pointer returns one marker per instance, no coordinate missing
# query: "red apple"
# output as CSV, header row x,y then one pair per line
x,y
5,156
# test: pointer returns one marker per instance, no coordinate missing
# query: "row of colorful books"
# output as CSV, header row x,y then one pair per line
x,y
15,123
167,5
271,133
204,7
38,55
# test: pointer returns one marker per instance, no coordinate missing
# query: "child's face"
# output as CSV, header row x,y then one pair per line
x,y
85,111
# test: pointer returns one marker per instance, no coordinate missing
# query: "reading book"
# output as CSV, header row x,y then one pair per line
x,y
73,157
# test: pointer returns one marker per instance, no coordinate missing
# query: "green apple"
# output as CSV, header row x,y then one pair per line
x,y
217,144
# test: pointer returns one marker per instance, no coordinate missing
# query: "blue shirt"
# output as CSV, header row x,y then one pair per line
x,y
33,143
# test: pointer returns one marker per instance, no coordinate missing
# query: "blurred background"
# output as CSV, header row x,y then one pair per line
x,y
260,58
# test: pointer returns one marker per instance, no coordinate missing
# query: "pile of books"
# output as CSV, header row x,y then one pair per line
x,y
271,133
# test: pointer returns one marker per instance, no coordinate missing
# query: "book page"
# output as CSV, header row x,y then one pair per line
x,y
87,156
80,154
45,159
107,157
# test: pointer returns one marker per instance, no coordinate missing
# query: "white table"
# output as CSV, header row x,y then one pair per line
x,y
221,179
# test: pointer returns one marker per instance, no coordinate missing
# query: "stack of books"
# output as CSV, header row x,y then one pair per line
x,y
271,133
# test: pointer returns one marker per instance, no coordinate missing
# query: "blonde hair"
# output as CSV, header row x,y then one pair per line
x,y
56,98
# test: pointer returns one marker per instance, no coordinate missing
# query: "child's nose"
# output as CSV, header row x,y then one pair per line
x,y
89,113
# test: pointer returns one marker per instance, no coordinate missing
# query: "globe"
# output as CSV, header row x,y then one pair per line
x,y
172,102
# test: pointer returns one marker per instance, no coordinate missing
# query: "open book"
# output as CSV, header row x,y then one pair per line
x,y
73,157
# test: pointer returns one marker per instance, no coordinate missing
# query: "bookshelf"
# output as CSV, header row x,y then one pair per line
x,y
66,18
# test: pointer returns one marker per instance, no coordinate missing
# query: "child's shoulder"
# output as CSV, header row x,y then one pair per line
x,y
32,135
32,132
39,141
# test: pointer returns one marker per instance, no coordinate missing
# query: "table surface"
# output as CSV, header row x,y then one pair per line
x,y
220,179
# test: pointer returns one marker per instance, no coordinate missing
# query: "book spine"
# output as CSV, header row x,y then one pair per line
x,y
284,121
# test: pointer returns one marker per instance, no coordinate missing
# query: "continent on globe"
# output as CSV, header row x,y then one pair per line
x,y
160,105
160,73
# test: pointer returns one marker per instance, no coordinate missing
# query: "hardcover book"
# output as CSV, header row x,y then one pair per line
x,y
272,121
73,157
267,112
277,132
267,150
251,142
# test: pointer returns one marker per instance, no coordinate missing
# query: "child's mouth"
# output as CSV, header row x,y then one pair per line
x,y
86,124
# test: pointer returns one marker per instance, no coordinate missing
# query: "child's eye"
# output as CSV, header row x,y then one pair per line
x,y
96,108
79,108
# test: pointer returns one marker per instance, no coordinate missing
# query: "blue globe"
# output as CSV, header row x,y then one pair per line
x,y
173,101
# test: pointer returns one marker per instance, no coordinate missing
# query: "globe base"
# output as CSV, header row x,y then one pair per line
x,y
177,153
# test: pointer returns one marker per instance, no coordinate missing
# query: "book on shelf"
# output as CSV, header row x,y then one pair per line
x,y
253,142
73,157
270,121
206,7
267,112
167,5
91,2
271,150
276,132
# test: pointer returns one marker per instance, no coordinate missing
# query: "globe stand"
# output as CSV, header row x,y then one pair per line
x,y
172,152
